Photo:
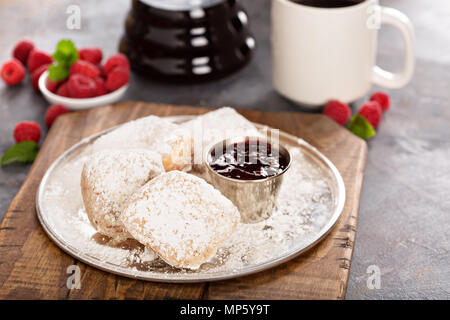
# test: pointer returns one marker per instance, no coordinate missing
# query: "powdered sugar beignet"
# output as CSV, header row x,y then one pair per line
x,y
153,133
108,179
181,217
212,127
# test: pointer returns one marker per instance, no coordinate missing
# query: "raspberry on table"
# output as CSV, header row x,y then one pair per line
x,y
27,131
116,78
37,74
22,50
13,72
116,60
93,55
38,58
54,112
383,99
80,86
85,68
338,111
372,111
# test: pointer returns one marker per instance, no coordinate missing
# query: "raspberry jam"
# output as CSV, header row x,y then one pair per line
x,y
251,159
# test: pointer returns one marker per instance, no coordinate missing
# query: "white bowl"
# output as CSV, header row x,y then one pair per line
x,y
79,104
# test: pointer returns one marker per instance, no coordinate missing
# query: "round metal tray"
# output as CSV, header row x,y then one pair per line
x,y
60,233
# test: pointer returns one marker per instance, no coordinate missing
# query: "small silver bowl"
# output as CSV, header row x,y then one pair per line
x,y
255,199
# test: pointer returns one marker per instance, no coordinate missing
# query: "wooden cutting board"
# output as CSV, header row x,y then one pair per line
x,y
32,267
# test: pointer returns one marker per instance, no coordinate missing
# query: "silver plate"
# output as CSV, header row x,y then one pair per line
x,y
61,234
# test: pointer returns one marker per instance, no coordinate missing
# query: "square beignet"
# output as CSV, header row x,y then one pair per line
x,y
181,217
213,127
153,133
108,179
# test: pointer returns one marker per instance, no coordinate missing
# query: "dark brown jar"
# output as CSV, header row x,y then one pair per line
x,y
187,40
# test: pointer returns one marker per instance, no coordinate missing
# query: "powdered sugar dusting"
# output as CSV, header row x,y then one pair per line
x,y
183,218
303,208
213,127
109,178
153,133
305,205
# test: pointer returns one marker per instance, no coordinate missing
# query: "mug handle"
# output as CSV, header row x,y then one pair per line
x,y
388,79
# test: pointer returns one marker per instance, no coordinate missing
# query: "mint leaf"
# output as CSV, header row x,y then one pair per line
x,y
65,55
23,152
66,52
58,72
361,127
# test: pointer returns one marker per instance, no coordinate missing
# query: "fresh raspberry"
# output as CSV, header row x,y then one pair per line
x,y
101,70
27,131
22,50
117,78
37,74
92,55
100,84
372,111
85,68
116,60
338,111
52,86
383,99
63,90
54,112
38,58
13,72
81,86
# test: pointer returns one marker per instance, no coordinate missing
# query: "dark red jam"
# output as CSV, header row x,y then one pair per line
x,y
251,159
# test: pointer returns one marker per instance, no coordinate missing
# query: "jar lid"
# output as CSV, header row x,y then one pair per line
x,y
181,5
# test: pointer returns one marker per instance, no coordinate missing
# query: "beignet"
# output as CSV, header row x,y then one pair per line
x,y
213,127
108,179
181,217
153,133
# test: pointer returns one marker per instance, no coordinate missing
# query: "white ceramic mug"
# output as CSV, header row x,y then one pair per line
x,y
329,53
